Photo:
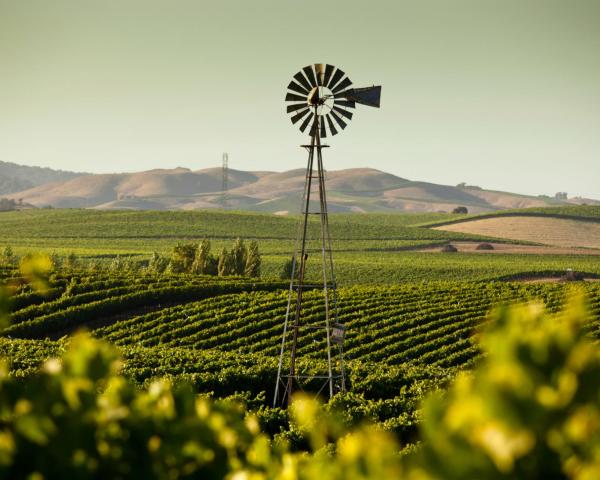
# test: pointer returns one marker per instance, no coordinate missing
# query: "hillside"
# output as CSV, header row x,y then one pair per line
x,y
16,178
349,190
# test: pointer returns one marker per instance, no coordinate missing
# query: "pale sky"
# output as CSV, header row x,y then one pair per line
x,y
501,94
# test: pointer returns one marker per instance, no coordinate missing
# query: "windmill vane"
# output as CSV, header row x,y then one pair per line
x,y
320,99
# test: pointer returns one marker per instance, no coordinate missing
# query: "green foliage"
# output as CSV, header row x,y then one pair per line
x,y
8,256
157,263
182,257
531,409
204,263
71,261
253,261
463,210
373,248
226,263
239,254
77,418
286,269
36,269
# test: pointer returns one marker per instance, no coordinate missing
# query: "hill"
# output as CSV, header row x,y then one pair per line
x,y
16,178
349,190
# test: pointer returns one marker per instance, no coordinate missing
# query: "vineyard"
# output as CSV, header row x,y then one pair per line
x,y
374,248
222,335
413,318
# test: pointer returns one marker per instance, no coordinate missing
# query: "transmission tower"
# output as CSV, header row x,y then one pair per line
x,y
225,180
320,95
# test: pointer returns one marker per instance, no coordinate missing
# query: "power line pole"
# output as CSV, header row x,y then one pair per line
x,y
225,180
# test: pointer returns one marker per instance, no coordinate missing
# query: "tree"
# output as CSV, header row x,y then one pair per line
x,y
226,263
7,204
183,257
253,261
561,196
239,254
203,262
460,210
157,263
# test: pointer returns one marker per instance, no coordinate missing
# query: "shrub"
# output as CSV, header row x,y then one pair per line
x,y
484,246
449,248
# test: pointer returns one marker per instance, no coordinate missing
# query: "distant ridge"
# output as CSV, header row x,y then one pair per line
x,y
349,190
15,178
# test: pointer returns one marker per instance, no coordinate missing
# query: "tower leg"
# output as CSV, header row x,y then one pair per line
x,y
334,378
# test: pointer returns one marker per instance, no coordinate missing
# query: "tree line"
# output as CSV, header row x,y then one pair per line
x,y
242,259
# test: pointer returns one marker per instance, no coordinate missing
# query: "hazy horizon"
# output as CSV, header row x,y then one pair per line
x,y
501,95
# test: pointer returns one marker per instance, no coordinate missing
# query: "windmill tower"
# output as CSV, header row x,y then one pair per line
x,y
312,356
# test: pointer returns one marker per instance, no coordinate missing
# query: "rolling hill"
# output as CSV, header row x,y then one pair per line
x,y
15,178
350,190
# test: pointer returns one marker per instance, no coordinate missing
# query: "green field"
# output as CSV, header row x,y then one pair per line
x,y
373,248
412,316
222,336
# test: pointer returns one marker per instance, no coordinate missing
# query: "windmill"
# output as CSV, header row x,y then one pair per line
x,y
320,98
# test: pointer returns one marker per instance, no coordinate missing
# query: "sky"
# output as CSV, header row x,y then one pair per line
x,y
500,94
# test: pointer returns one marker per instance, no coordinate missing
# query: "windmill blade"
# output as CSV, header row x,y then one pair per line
x,y
296,106
345,83
301,79
310,74
343,112
332,128
291,97
319,70
369,96
297,88
337,76
338,119
323,129
298,116
305,123
328,72
346,103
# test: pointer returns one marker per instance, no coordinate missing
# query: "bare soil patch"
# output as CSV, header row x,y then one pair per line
x,y
552,280
549,231
471,247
